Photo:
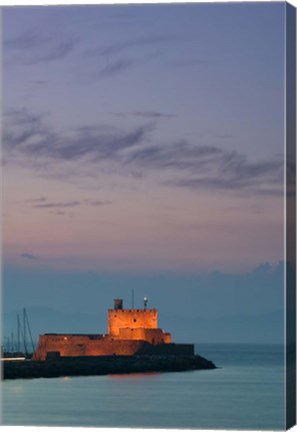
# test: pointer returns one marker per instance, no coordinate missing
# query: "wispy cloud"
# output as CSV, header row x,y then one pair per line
x,y
210,167
28,135
98,202
36,200
145,114
29,256
26,41
58,204
115,68
35,47
41,204
56,52
178,155
181,163
119,47
120,56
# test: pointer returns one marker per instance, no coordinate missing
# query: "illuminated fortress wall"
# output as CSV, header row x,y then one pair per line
x,y
153,336
68,345
131,318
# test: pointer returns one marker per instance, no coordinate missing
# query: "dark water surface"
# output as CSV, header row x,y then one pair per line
x,y
247,392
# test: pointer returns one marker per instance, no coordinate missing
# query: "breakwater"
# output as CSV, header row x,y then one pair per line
x,y
103,365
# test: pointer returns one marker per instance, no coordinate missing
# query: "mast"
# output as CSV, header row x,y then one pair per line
x,y
12,342
31,339
19,333
24,330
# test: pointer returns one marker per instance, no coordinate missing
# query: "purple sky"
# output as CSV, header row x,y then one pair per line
x,y
143,137
143,148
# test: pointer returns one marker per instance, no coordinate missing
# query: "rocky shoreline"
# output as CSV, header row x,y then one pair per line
x,y
103,365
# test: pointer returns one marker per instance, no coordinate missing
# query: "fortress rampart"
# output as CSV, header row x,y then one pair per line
x,y
68,345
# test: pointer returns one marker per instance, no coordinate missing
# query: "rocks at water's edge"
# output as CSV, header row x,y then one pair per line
x,y
75,366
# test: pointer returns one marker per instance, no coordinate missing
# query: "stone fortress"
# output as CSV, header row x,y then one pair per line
x,y
130,332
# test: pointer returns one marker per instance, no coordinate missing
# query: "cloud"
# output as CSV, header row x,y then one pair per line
x,y
29,256
67,204
26,41
179,155
35,47
121,46
115,68
58,204
262,177
210,167
55,52
145,114
98,203
225,184
36,200
27,136
120,56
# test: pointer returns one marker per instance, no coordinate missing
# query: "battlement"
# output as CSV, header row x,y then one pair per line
x,y
133,310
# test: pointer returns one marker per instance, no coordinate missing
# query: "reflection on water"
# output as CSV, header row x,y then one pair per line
x,y
136,375
246,393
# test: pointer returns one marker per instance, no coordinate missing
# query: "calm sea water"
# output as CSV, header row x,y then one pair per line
x,y
247,392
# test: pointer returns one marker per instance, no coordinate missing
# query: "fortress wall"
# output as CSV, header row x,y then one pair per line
x,y
67,345
167,337
109,346
153,336
85,345
131,318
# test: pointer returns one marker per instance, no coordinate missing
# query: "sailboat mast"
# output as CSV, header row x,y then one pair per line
x,y
29,329
24,324
18,331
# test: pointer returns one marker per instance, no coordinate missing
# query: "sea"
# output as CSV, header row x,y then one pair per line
x,y
246,391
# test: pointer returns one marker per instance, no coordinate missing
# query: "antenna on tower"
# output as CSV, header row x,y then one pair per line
x,y
145,302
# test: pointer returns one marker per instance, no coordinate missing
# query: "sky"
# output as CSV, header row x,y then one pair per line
x,y
143,143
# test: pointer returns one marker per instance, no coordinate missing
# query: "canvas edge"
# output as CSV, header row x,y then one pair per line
x,y
290,212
